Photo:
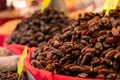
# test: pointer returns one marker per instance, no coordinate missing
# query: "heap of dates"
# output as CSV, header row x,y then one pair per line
x,y
12,75
39,28
89,48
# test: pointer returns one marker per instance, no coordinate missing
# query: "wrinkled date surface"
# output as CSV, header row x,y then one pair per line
x,y
89,48
4,75
39,28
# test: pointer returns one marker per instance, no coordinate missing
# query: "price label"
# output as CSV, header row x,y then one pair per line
x,y
20,63
110,4
45,4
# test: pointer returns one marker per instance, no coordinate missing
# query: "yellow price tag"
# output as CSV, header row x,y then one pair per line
x,y
20,63
45,4
110,4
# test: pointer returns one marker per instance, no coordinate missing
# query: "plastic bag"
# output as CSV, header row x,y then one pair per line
x,y
9,63
30,77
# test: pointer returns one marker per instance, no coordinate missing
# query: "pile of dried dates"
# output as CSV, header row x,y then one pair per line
x,y
12,75
89,48
39,28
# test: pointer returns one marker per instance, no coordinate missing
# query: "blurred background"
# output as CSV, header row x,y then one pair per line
x,y
11,11
27,7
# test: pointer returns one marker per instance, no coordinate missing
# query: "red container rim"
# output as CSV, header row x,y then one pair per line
x,y
16,48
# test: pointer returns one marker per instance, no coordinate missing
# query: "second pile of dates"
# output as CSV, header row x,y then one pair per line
x,y
39,28
89,48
